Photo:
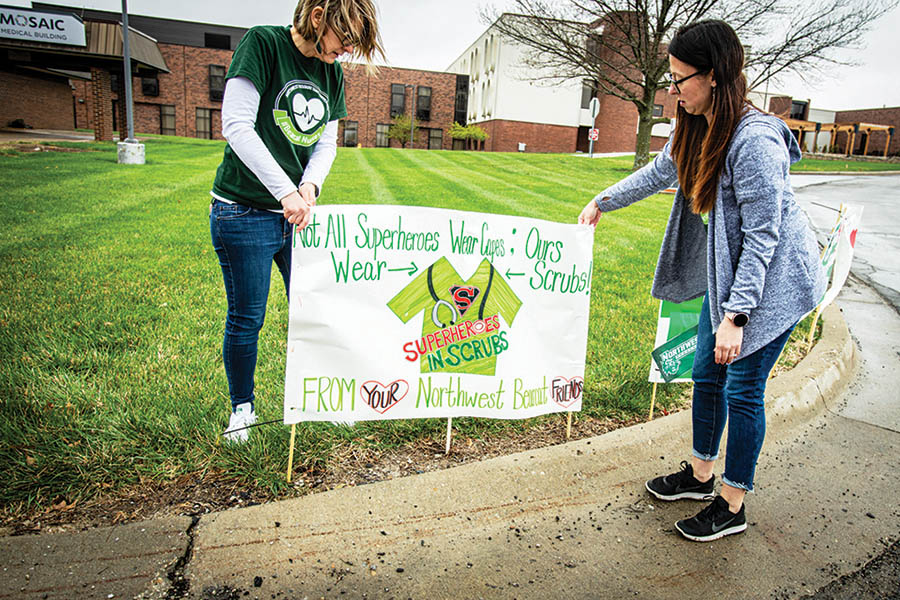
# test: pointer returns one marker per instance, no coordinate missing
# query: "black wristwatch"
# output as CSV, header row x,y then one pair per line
x,y
739,319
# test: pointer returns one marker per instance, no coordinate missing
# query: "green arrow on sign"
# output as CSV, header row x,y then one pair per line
x,y
412,268
508,274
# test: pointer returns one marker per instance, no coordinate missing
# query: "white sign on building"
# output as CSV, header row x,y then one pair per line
x,y
49,28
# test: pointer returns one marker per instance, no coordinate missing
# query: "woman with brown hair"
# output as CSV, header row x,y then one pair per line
x,y
756,262
284,95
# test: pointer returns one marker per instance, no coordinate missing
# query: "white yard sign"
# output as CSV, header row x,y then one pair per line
x,y
407,312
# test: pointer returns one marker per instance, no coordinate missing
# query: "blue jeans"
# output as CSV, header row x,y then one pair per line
x,y
247,240
735,393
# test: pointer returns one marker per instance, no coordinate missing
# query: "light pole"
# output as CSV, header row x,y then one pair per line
x,y
412,113
130,152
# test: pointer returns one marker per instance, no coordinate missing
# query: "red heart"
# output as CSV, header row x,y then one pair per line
x,y
381,397
566,392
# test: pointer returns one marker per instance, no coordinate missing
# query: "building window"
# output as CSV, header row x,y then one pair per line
x,y
798,110
588,92
217,40
351,133
167,119
150,86
204,123
381,135
216,83
462,99
435,139
423,104
657,110
114,82
398,99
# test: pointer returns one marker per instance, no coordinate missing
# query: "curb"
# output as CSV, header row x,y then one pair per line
x,y
819,378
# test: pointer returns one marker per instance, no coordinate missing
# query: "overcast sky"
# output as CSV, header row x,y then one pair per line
x,y
430,34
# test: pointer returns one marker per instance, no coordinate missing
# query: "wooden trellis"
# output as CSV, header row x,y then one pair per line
x,y
851,129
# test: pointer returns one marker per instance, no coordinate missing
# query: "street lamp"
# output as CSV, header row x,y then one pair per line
x,y
130,152
412,113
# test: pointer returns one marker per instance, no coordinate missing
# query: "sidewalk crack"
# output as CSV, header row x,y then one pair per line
x,y
179,585
829,410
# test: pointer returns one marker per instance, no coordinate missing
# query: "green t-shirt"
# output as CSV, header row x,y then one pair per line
x,y
298,97
448,344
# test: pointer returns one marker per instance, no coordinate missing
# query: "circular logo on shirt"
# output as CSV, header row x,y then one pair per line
x,y
301,112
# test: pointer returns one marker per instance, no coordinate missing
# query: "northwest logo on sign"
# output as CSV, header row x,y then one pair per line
x,y
461,329
301,112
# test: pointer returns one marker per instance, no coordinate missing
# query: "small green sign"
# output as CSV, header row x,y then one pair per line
x,y
676,356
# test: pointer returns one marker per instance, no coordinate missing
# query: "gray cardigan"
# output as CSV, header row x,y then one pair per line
x,y
758,255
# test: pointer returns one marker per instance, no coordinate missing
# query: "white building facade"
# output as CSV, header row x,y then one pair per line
x,y
505,101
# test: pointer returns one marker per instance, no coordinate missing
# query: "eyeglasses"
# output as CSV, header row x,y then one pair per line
x,y
346,39
677,82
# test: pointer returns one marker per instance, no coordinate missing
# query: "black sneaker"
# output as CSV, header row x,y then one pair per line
x,y
713,522
681,485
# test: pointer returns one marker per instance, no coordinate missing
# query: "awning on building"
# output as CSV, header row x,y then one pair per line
x,y
104,48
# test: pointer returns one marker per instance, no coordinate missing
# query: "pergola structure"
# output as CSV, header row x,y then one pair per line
x,y
851,129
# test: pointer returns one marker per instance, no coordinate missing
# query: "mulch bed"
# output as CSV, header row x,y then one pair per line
x,y
198,494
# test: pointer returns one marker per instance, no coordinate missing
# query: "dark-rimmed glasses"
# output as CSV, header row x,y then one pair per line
x,y
346,39
678,82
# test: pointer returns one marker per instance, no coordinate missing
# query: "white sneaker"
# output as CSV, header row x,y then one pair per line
x,y
242,417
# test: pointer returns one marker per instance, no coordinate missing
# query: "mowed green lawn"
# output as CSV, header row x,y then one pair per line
x,y
815,165
112,309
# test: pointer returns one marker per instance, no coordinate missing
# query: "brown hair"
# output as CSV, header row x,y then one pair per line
x,y
699,148
354,18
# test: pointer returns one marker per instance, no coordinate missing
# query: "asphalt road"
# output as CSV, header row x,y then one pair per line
x,y
875,263
877,257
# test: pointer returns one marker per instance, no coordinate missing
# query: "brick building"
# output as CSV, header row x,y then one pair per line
x,y
373,100
181,92
858,124
877,116
49,50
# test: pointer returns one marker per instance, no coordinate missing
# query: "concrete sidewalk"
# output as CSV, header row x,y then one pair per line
x,y
569,521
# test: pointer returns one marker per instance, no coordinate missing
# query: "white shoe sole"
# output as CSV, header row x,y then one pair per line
x,y
682,495
236,437
715,536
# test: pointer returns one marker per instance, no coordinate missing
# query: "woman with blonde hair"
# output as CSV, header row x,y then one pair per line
x,y
757,262
284,95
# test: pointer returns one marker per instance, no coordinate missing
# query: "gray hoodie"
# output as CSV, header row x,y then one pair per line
x,y
758,255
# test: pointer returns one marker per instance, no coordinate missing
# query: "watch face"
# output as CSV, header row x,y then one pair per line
x,y
741,319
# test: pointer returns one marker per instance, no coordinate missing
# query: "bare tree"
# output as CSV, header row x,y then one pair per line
x,y
620,44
